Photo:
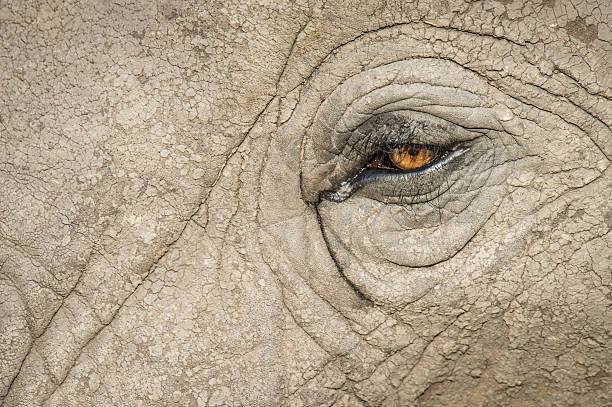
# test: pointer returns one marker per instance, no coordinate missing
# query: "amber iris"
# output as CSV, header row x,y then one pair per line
x,y
410,157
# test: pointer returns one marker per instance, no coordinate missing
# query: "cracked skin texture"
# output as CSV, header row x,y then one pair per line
x,y
159,243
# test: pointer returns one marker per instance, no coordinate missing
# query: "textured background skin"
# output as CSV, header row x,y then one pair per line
x,y
155,249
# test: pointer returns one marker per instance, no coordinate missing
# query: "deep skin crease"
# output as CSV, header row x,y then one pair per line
x,y
165,237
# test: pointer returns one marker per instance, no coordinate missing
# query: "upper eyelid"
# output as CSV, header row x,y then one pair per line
x,y
446,96
366,97
388,147
426,134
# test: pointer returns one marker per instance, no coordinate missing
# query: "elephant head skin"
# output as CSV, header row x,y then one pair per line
x,y
259,203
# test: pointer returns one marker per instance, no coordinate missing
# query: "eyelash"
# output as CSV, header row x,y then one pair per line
x,y
408,157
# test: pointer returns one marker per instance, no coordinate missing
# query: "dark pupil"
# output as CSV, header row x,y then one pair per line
x,y
413,152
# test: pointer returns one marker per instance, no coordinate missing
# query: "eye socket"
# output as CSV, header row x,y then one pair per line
x,y
409,157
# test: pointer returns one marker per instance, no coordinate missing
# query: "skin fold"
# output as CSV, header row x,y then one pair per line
x,y
167,229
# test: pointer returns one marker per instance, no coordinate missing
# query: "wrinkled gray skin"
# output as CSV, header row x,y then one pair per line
x,y
163,240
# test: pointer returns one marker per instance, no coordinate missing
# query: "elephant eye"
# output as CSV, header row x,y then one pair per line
x,y
395,158
410,171
410,157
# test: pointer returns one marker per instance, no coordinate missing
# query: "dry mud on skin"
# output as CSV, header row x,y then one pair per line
x,y
164,237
